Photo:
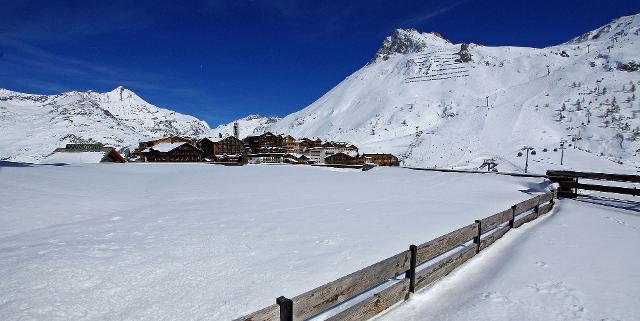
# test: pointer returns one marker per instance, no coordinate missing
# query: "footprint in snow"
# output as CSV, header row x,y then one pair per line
x,y
542,264
621,222
496,297
325,242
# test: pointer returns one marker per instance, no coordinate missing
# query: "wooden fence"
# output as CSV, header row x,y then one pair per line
x,y
421,266
569,185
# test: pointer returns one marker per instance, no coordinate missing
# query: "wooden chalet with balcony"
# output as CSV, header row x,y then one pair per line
x,y
173,152
265,143
206,145
344,160
171,139
229,146
382,159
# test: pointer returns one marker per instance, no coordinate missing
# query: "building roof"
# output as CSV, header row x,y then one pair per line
x,y
341,154
75,157
378,154
164,147
296,155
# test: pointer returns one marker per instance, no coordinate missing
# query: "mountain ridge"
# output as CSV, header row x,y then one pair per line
x,y
422,97
426,104
34,125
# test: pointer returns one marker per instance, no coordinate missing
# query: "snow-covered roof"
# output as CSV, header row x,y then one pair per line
x,y
296,155
75,157
164,147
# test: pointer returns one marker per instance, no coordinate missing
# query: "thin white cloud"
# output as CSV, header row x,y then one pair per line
x,y
429,15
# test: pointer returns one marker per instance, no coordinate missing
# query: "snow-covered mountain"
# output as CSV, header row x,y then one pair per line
x,y
32,126
436,103
432,102
250,125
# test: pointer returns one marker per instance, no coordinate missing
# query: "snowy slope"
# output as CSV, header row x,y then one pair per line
x,y
417,98
34,125
250,125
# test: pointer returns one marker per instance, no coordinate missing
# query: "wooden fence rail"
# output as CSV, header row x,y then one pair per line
x,y
421,266
569,185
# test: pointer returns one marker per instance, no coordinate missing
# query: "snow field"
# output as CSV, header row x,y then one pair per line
x,y
577,263
196,241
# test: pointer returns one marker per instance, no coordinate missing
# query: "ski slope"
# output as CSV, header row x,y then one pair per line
x,y
416,98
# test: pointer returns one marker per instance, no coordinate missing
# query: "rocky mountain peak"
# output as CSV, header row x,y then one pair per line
x,y
404,41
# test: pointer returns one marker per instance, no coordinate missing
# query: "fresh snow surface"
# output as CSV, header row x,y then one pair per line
x,y
198,241
578,263
74,158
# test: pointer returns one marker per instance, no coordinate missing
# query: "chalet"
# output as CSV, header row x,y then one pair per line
x,y
173,152
382,159
267,142
171,139
317,155
229,146
85,153
344,159
295,158
206,146
266,158
299,146
231,160
289,144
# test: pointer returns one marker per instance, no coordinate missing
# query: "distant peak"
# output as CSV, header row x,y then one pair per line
x,y
618,27
120,89
405,41
122,93
253,116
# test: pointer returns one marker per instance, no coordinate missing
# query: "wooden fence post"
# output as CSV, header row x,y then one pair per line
x,y
411,274
537,208
476,239
286,308
513,216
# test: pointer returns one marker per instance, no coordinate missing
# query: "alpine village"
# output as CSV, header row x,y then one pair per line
x,y
267,148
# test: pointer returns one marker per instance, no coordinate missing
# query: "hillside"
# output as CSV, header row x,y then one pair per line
x,y
34,125
249,125
436,103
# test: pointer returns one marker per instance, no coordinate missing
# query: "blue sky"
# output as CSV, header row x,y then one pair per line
x,y
221,60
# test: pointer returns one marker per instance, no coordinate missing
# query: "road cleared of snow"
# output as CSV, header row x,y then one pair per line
x,y
197,241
